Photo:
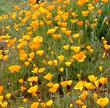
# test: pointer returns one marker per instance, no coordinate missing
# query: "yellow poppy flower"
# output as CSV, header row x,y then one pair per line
x,y
103,102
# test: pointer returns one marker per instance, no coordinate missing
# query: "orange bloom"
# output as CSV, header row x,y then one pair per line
x,y
79,102
48,76
85,13
103,80
80,23
82,2
34,25
80,57
35,105
35,46
99,12
14,68
54,88
1,89
59,1
96,1
51,7
11,42
32,1
84,95
105,1
36,43
23,88
68,33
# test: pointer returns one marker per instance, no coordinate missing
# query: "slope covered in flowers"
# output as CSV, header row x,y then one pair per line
x,y
55,55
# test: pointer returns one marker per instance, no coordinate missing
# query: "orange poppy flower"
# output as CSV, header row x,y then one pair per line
x,y
1,89
14,68
105,1
32,1
80,23
80,57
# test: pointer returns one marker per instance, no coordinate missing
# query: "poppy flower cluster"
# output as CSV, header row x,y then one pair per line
x,y
51,55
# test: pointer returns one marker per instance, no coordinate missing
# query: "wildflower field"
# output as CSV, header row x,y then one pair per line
x,y
55,54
